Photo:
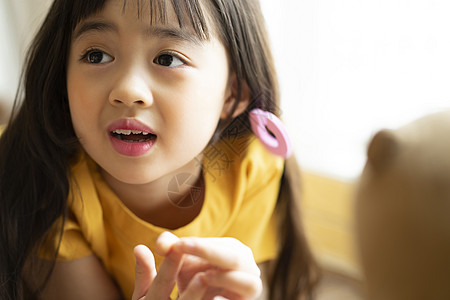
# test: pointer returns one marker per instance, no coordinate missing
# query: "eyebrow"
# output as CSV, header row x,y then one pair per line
x,y
167,32
175,34
94,26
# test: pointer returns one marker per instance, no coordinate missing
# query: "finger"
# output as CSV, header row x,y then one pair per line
x,y
196,288
192,265
145,271
164,281
225,253
241,283
165,242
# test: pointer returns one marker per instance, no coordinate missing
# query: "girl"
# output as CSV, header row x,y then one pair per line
x,y
135,121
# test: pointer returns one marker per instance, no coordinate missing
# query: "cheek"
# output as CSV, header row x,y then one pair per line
x,y
192,117
83,107
75,102
203,104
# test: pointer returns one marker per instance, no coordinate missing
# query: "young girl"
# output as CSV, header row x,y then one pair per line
x,y
134,121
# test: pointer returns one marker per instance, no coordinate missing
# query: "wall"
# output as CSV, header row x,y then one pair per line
x,y
350,67
347,69
19,20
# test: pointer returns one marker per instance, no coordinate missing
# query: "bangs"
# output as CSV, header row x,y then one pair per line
x,y
189,13
80,10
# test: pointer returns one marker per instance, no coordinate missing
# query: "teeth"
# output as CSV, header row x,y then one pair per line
x,y
128,132
122,131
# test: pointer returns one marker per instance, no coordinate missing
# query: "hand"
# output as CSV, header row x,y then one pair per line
x,y
150,285
202,267
226,266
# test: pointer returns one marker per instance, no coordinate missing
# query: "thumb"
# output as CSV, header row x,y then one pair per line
x,y
145,271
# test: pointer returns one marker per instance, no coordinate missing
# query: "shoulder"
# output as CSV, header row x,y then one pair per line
x,y
259,160
253,158
245,194
243,158
84,232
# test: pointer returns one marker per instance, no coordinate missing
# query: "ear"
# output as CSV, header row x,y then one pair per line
x,y
232,96
382,149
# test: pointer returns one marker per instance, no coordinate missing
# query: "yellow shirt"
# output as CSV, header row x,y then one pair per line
x,y
241,187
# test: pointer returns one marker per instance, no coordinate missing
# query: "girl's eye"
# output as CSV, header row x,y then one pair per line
x,y
168,60
97,57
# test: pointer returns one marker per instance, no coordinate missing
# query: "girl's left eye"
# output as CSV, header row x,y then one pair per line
x,y
168,60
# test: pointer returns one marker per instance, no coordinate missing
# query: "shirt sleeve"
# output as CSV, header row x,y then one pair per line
x,y
73,244
70,245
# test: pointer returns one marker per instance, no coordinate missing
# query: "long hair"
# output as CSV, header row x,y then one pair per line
x,y
36,150
39,143
242,29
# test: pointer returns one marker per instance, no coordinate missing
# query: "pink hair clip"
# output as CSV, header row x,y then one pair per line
x,y
278,142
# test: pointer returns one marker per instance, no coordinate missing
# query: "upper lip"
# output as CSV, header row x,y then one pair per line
x,y
130,124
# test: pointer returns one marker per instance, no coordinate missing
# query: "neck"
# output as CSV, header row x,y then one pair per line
x,y
171,201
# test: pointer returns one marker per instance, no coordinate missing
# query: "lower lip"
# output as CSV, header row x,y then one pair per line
x,y
131,149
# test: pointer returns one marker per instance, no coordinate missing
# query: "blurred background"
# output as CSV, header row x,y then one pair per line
x,y
347,69
19,21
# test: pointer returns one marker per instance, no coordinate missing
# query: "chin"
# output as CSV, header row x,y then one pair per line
x,y
134,177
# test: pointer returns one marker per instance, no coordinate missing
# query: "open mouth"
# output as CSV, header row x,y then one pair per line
x,y
133,136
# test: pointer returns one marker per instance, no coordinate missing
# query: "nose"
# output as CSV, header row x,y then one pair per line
x,y
131,89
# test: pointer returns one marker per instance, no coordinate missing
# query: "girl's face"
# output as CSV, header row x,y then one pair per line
x,y
144,99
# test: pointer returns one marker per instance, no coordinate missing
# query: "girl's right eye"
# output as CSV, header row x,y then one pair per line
x,y
96,57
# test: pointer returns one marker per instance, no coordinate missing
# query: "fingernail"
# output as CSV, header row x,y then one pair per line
x,y
168,235
164,242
